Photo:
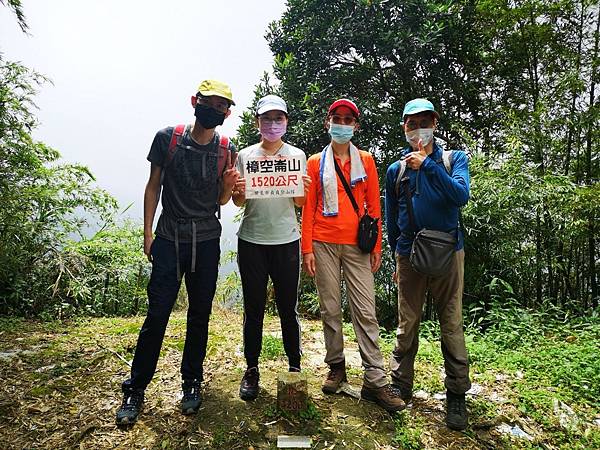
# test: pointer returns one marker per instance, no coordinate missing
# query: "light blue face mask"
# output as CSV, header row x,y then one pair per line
x,y
341,134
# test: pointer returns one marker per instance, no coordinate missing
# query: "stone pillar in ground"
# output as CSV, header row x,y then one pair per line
x,y
292,392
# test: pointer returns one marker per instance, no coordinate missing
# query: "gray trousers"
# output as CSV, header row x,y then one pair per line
x,y
330,260
447,294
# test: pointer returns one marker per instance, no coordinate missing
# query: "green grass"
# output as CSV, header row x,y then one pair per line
x,y
215,342
387,341
177,344
272,347
311,417
124,328
428,378
10,324
543,358
408,431
348,330
311,413
354,372
482,409
430,352
40,391
427,362
571,369
546,360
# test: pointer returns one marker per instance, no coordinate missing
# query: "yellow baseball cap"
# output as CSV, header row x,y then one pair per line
x,y
215,87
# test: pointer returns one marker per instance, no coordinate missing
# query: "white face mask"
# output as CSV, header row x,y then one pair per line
x,y
423,134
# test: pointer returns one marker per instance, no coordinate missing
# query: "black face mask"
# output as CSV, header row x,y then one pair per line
x,y
208,117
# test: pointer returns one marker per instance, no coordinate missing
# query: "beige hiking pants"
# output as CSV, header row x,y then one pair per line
x,y
331,260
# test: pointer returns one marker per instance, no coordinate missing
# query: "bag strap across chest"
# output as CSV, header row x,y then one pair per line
x,y
340,174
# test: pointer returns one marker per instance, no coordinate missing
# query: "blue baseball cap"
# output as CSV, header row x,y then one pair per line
x,y
418,105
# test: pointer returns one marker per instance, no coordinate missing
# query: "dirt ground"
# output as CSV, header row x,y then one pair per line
x,y
61,388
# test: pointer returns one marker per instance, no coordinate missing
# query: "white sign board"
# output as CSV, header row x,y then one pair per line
x,y
274,176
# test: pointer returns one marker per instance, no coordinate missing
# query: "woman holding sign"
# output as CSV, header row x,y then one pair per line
x,y
271,182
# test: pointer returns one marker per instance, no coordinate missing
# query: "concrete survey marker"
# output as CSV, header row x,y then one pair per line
x,y
292,392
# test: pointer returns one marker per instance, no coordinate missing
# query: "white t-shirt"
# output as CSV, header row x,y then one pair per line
x,y
268,221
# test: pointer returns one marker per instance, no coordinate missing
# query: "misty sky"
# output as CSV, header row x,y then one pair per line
x,y
121,70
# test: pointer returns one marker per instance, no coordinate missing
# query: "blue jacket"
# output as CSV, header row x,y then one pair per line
x,y
436,199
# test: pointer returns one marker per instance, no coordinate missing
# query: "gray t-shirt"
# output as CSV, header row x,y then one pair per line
x,y
269,221
190,187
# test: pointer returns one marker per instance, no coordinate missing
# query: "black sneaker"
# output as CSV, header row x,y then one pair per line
x,y
192,399
456,411
249,386
294,369
133,400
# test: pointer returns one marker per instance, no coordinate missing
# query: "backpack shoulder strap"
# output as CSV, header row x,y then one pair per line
x,y
224,161
401,170
447,160
176,137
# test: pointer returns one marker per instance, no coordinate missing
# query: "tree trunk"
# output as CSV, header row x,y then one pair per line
x,y
591,116
429,307
136,301
578,265
592,264
538,259
591,123
115,302
552,284
574,95
105,291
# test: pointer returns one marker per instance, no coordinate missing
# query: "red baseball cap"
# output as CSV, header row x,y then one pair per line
x,y
344,102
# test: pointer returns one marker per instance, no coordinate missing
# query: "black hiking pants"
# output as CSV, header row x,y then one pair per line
x,y
162,293
281,262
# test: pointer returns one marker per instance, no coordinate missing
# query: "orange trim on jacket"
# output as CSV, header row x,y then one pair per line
x,y
343,228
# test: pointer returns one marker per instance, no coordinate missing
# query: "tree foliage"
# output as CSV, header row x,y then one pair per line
x,y
17,8
515,83
47,209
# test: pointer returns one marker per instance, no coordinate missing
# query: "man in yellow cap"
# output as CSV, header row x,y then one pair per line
x,y
194,167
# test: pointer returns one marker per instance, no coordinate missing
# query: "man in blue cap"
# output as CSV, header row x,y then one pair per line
x,y
425,189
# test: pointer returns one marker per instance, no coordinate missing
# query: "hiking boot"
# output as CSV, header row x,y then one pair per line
x,y
133,401
406,394
192,398
335,377
386,396
249,386
456,411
